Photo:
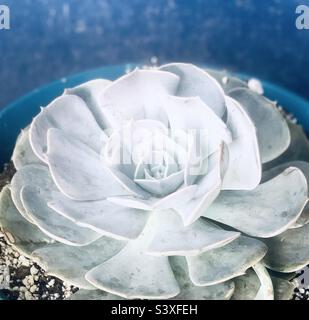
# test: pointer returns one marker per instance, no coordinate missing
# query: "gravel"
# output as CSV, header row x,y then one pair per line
x,y
20,277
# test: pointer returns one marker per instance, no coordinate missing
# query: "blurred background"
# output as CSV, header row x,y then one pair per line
x,y
50,39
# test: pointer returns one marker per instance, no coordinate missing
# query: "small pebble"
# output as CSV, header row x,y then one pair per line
x,y
33,289
22,279
51,282
34,270
256,86
225,80
28,296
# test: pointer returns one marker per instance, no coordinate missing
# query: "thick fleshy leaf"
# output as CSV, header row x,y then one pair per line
x,y
157,164
251,287
162,187
117,152
303,218
23,235
289,251
273,172
172,238
197,157
91,92
298,149
268,121
33,174
127,146
208,188
145,276
289,276
193,114
57,227
246,286
283,289
227,81
224,263
78,170
37,180
139,95
244,169
71,263
256,284
103,217
70,114
133,203
266,290
266,211
195,82
137,137
127,184
304,167
23,153
221,291
181,196
83,294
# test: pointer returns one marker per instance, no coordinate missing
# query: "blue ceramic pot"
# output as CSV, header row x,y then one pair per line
x,y
19,114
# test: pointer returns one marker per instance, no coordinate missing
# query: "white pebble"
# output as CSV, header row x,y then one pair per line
x,y
225,80
256,86
33,289
28,296
25,282
34,270
51,282
24,261
30,280
154,60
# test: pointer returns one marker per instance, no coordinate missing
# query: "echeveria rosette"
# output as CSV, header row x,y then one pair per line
x,y
189,225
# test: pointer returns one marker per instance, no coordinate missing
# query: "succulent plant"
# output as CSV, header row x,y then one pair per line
x,y
172,183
